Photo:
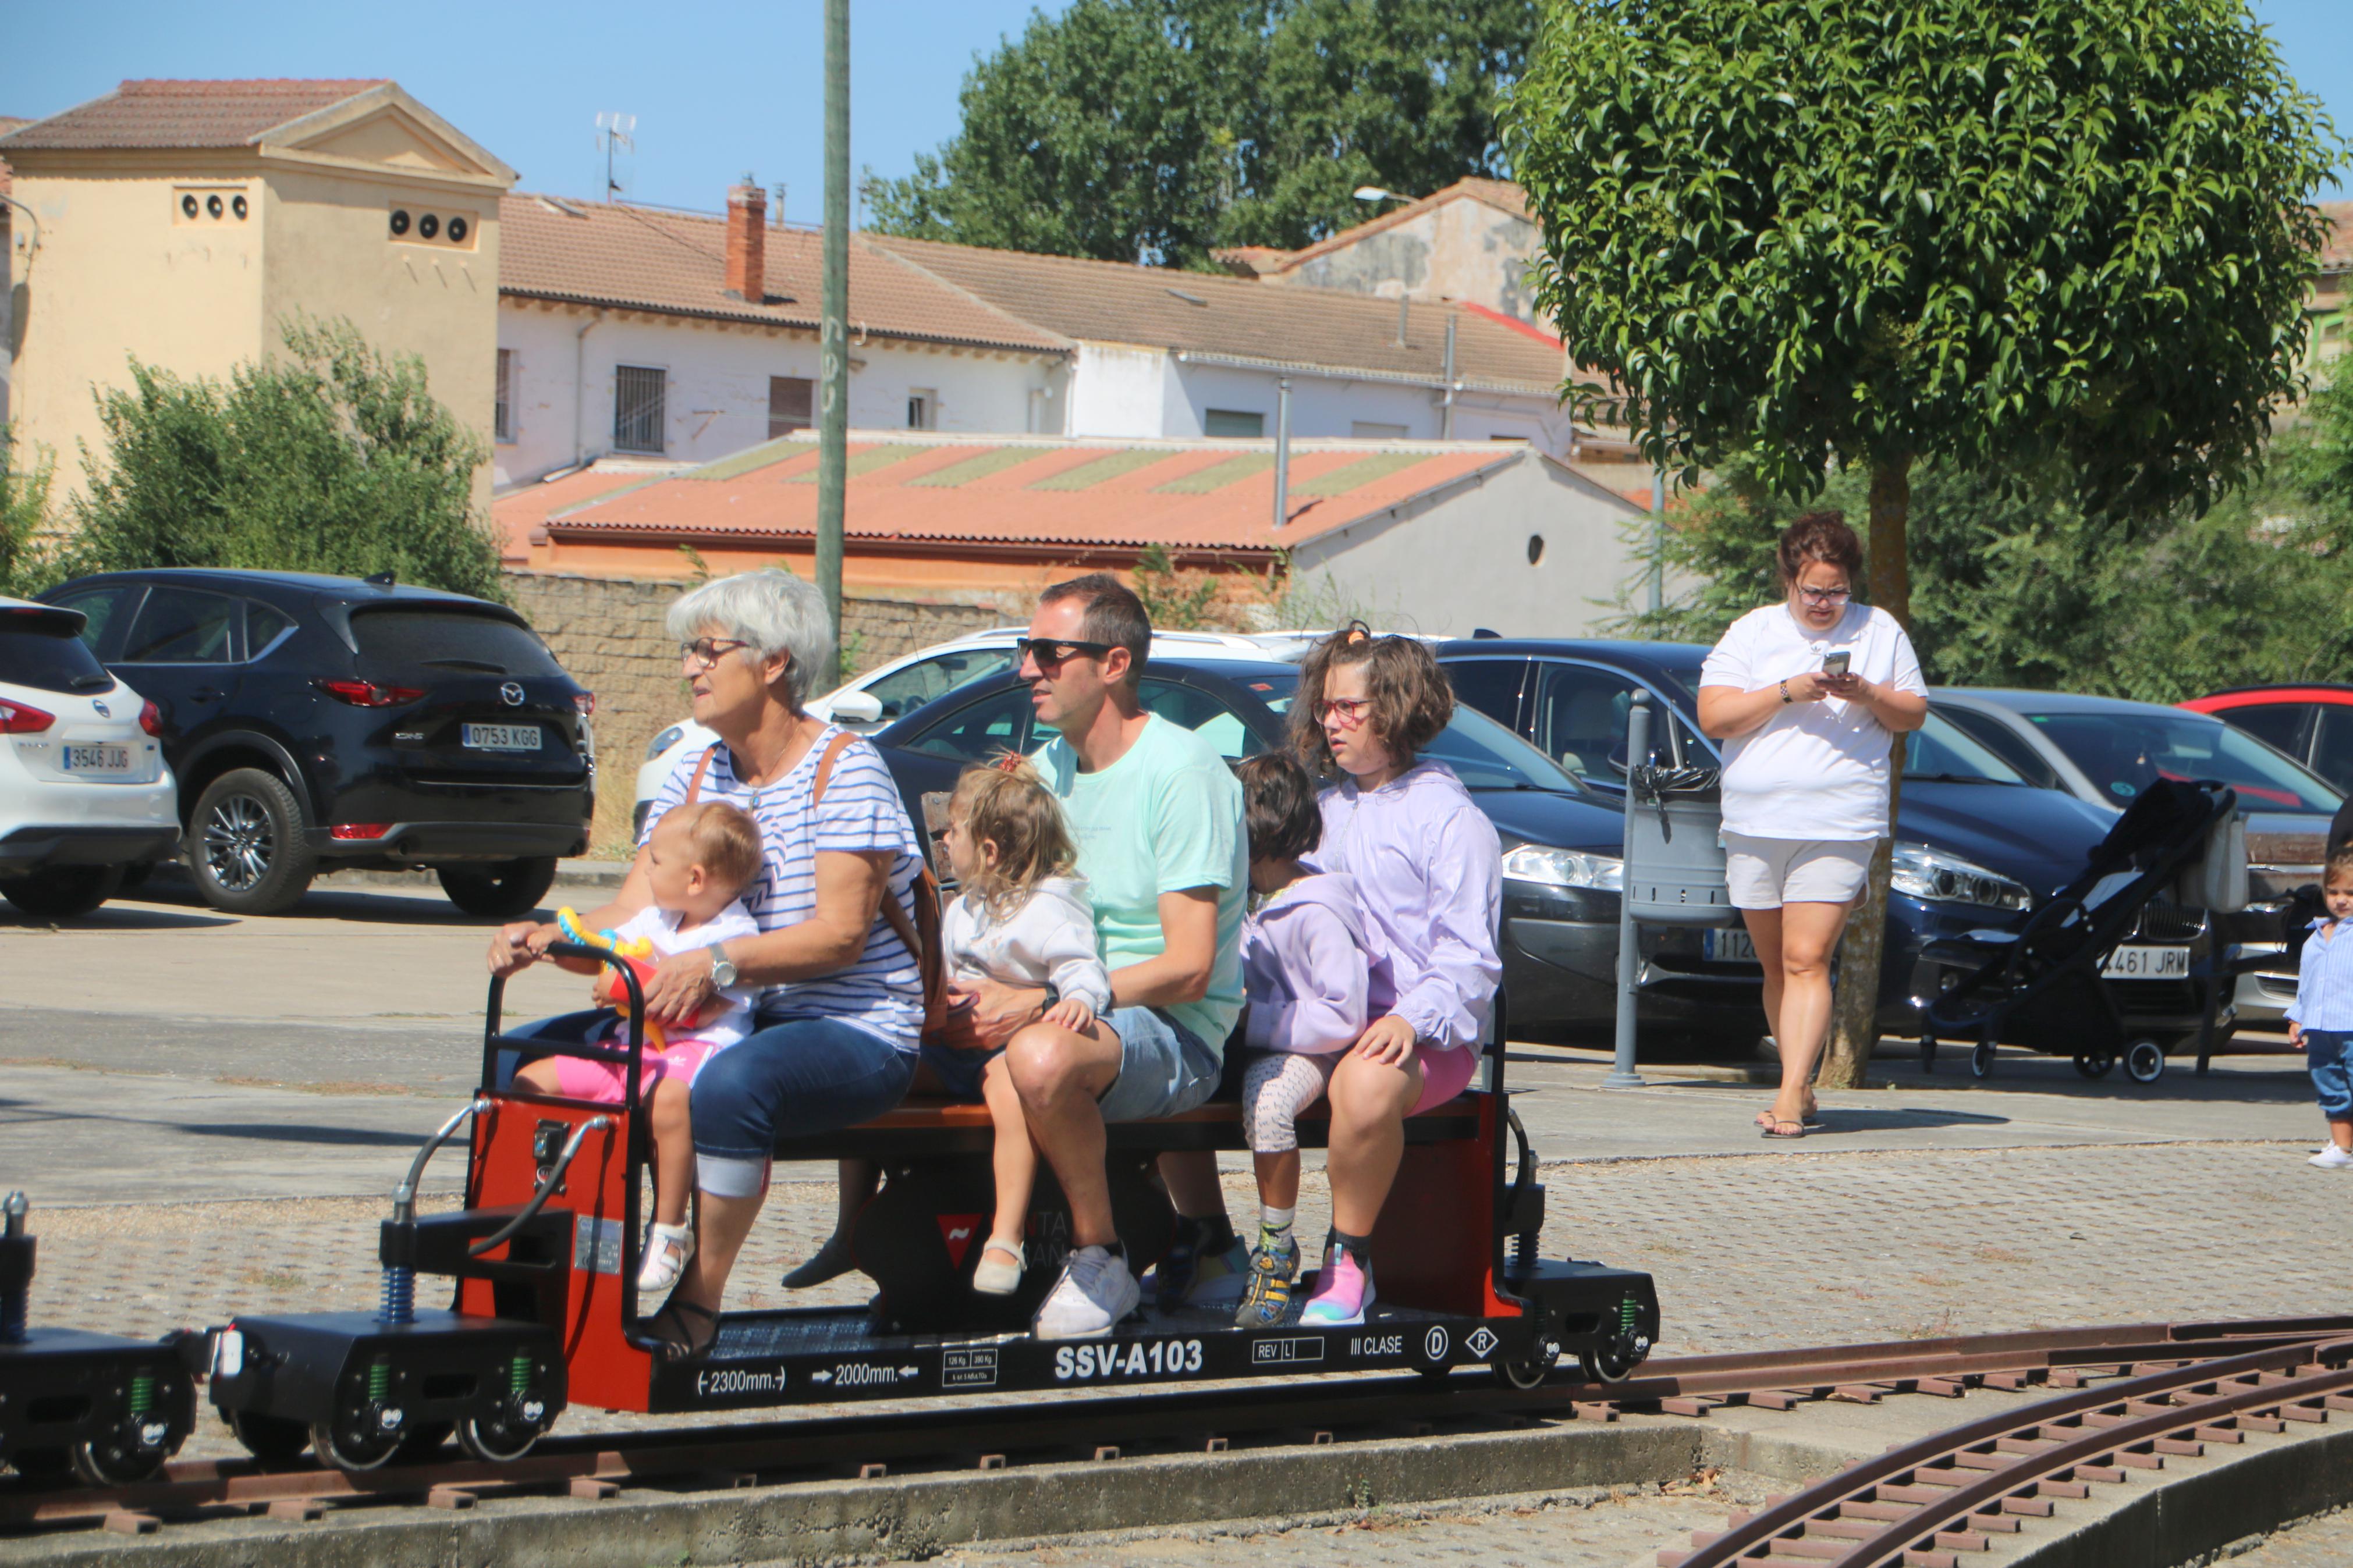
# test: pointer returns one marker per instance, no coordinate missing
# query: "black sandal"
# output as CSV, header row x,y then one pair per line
x,y
675,1334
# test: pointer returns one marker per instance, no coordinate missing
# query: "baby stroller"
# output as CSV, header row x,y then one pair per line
x,y
2037,981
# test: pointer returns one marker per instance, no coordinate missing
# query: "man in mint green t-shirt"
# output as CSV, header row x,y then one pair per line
x,y
1157,818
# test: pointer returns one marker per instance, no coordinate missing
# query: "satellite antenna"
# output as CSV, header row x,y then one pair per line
x,y
614,131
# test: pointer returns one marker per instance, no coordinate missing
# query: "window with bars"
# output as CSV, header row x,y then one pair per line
x,y
922,408
503,405
791,402
637,408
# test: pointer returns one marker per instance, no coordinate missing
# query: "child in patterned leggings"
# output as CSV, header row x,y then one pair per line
x,y
1305,972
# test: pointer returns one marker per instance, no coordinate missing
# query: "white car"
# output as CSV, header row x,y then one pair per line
x,y
904,684
84,793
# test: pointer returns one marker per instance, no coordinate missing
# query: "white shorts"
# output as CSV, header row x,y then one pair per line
x,y
1766,873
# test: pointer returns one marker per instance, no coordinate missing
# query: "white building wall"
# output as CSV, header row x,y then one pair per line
x,y
1119,390
1326,405
716,397
1459,560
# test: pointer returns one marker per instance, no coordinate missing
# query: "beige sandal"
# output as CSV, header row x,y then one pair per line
x,y
994,1279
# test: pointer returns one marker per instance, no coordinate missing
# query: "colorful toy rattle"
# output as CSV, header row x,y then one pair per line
x,y
635,952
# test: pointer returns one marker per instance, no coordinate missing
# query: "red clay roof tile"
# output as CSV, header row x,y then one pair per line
x,y
164,113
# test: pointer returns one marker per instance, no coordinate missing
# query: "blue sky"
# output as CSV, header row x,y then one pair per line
x,y
718,86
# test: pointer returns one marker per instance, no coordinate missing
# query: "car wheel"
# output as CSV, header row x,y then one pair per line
x,y
61,892
501,889
246,847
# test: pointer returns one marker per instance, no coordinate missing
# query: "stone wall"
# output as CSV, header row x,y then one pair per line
x,y
607,633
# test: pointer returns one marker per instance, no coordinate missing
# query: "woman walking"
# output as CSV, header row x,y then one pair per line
x,y
1810,697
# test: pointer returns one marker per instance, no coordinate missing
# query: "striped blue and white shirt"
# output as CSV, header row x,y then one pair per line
x,y
2324,984
861,813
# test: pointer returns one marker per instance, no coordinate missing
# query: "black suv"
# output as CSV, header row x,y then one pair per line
x,y
326,722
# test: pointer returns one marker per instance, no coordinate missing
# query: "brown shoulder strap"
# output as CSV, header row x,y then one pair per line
x,y
918,932
825,759
702,766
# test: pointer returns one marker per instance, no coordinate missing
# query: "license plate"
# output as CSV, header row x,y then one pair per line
x,y
97,759
500,737
1730,947
2147,964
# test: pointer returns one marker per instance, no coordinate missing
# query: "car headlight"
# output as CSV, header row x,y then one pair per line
x,y
1564,867
664,742
1932,875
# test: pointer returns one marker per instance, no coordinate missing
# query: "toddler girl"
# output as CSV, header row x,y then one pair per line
x,y
1022,919
1306,976
2320,1019
701,859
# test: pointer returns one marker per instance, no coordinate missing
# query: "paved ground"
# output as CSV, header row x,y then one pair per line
x,y
2323,1542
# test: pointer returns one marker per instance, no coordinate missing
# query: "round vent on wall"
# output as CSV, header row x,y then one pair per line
x,y
236,206
458,227
212,206
188,205
399,221
427,227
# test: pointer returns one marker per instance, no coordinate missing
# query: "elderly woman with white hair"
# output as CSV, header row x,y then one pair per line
x,y
840,1001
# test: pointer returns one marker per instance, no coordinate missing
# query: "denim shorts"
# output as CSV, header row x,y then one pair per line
x,y
959,1071
2329,1053
1163,1067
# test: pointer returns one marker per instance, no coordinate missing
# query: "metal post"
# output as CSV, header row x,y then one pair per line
x,y
1281,450
833,412
1446,413
1658,540
1621,1073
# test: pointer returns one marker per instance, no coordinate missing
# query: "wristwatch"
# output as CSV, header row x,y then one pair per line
x,y
723,969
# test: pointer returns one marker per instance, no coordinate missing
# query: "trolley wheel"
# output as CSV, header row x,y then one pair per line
x,y
353,1455
2096,1064
1528,1370
1981,1059
494,1442
1607,1363
104,1462
2144,1061
272,1439
424,1444
1927,1053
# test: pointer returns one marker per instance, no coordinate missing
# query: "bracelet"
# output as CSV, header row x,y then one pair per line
x,y
1785,692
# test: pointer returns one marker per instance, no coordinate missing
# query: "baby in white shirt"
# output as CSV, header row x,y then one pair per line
x,y
1023,918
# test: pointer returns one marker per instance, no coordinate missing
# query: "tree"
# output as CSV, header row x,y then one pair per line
x,y
332,458
1992,233
1156,130
23,505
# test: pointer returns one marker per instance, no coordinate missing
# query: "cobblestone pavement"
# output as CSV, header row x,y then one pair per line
x,y
1613,1529
2326,1541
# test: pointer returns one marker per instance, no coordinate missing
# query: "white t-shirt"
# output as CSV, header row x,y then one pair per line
x,y
1815,770
718,1029
1051,937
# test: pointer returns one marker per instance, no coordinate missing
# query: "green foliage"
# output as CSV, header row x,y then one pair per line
x,y
330,459
1997,233
23,504
1155,130
1173,600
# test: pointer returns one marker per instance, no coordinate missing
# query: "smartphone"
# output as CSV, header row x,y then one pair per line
x,y
1836,663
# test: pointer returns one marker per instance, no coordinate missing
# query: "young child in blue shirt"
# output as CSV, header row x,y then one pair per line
x,y
2320,1019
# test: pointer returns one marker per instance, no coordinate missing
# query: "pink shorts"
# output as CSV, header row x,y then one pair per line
x,y
606,1082
1445,1074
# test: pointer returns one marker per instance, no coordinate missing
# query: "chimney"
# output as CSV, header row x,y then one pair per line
x,y
747,241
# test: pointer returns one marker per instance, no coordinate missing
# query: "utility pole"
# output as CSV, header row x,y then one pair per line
x,y
833,398
1658,539
1281,450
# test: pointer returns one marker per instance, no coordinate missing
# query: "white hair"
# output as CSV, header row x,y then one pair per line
x,y
771,612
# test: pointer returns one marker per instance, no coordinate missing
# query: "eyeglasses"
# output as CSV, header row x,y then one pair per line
x,y
703,652
1826,596
1050,652
1349,712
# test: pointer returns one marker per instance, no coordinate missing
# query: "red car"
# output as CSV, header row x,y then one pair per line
x,y
2314,724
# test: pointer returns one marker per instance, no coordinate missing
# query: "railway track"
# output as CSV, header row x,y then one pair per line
x,y
2208,1377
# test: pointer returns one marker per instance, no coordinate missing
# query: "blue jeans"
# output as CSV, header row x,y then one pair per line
x,y
795,1077
2329,1054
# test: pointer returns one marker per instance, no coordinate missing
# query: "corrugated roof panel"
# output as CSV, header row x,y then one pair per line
x,y
863,462
1218,476
1347,477
782,450
1110,466
978,467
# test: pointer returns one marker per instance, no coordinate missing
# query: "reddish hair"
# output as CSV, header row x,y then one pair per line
x,y
1820,536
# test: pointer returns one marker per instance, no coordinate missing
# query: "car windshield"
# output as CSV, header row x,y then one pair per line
x,y
1938,750
39,649
2124,754
1483,753
457,641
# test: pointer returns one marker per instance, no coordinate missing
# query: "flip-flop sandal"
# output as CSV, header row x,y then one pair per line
x,y
1764,1118
1782,1128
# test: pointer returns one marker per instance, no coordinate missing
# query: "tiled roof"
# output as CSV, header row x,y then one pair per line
x,y
184,114
1196,497
1237,318
1265,260
9,122
651,260
2337,254
523,509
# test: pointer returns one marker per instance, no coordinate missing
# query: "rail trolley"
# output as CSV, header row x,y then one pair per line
x,y
544,1259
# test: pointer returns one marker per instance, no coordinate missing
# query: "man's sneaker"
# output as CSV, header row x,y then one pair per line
x,y
1192,1275
1343,1290
1093,1294
1266,1298
2332,1158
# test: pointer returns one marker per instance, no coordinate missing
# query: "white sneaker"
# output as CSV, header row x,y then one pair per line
x,y
668,1249
1093,1294
996,1276
2331,1159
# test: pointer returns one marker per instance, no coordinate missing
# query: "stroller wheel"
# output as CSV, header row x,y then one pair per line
x,y
2096,1064
2145,1060
1981,1059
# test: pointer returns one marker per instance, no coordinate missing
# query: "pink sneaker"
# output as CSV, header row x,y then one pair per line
x,y
1344,1292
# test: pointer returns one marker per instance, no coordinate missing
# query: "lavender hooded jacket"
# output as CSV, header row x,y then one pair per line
x,y
1428,872
1305,968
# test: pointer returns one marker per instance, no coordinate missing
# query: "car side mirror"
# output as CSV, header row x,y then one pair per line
x,y
858,708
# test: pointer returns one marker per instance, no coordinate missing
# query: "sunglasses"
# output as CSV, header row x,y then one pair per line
x,y
1050,652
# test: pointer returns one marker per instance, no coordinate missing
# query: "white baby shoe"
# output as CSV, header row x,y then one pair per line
x,y
996,1276
668,1248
